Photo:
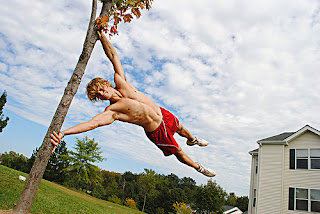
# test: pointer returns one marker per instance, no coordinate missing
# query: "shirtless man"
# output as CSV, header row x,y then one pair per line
x,y
127,104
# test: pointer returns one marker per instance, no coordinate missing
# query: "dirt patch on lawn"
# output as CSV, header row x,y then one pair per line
x,y
6,211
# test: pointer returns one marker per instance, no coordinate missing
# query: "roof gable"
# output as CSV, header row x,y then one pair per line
x,y
254,152
302,131
285,137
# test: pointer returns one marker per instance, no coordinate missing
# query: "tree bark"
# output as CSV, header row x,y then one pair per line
x,y
27,196
124,185
144,201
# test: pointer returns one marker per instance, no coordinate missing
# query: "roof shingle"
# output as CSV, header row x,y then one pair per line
x,y
278,137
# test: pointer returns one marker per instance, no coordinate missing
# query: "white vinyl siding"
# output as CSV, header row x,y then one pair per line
x,y
253,185
306,179
270,180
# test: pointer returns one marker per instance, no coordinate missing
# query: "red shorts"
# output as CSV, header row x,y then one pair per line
x,y
162,137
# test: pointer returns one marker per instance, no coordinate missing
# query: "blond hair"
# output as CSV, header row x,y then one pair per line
x,y
94,86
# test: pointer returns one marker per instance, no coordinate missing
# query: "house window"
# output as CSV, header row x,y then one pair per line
x,y
254,197
315,200
256,165
304,199
304,159
315,158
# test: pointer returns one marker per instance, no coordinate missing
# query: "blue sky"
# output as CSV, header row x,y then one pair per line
x,y
232,71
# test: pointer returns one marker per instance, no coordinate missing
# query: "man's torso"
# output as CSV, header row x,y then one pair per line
x,y
135,107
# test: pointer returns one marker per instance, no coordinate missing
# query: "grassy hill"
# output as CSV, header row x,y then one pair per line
x,y
53,198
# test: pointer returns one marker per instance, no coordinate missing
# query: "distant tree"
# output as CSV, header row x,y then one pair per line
x,y
170,190
242,203
159,210
147,184
98,191
235,201
83,173
188,185
210,197
111,183
58,162
6,159
14,160
20,163
3,100
31,160
174,180
165,190
129,185
231,199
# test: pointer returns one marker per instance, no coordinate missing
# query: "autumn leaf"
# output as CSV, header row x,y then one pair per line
x,y
105,18
122,10
136,12
140,5
117,20
127,18
119,12
103,23
131,3
113,30
148,6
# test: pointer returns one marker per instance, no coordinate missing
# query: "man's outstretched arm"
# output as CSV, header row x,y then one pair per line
x,y
102,119
111,53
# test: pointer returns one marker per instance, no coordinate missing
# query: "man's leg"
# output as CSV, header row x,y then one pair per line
x,y
183,158
183,132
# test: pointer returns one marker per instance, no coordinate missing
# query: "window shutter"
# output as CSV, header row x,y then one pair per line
x,y
292,159
291,198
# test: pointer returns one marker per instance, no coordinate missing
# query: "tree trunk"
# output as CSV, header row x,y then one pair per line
x,y
124,184
27,196
144,201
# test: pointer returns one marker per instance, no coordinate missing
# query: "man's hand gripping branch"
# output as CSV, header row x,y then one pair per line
x,y
56,139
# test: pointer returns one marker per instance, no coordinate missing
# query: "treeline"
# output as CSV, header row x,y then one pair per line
x,y
149,191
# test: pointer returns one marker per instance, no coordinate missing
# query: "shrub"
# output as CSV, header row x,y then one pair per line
x,y
115,199
130,203
181,208
98,192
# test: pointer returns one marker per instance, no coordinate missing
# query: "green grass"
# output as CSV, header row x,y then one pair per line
x,y
53,198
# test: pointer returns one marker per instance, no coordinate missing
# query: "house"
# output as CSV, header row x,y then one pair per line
x,y
285,173
231,210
